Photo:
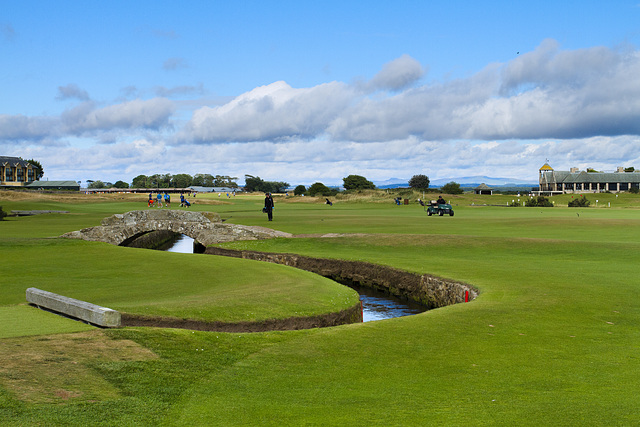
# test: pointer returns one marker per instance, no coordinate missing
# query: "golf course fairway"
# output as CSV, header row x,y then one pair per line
x,y
552,339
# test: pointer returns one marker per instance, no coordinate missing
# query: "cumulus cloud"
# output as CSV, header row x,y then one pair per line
x,y
271,112
397,74
149,114
546,93
72,91
20,127
577,108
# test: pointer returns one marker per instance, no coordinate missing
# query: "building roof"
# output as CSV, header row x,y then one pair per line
x,y
53,184
564,177
483,186
201,189
13,161
546,167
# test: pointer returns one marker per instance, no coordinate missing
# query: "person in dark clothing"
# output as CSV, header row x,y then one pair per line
x,y
441,201
268,206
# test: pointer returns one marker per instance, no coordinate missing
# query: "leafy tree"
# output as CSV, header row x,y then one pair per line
x,y
121,184
591,170
181,180
255,183
203,179
140,181
452,188
419,182
153,181
630,169
357,182
95,184
165,180
277,186
225,181
319,189
300,189
38,167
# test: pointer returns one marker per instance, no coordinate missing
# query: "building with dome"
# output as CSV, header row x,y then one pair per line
x,y
577,181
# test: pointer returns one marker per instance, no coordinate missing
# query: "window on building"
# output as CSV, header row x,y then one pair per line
x,y
8,174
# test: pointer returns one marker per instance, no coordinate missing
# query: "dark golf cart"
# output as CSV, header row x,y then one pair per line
x,y
439,209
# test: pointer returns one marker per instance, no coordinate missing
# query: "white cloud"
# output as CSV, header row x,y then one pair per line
x,y
397,74
272,112
20,127
576,108
72,91
136,114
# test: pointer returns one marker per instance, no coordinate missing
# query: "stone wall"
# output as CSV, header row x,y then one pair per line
x,y
428,290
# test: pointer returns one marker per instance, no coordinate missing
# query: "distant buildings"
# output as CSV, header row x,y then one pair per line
x,y
18,173
15,172
576,181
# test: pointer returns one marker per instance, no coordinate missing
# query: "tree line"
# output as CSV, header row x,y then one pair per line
x,y
167,180
257,184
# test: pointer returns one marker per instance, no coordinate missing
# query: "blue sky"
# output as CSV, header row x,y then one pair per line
x,y
303,92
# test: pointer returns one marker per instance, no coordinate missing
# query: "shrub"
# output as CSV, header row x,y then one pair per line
x,y
539,202
299,190
357,182
2,214
579,202
452,188
319,189
634,190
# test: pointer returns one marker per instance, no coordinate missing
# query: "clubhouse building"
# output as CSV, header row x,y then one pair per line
x,y
577,181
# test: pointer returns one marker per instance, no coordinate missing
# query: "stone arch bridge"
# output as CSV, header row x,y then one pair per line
x,y
205,227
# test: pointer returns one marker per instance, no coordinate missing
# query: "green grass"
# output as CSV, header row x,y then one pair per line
x,y
22,321
553,338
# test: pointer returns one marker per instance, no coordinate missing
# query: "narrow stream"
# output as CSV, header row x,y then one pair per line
x,y
376,305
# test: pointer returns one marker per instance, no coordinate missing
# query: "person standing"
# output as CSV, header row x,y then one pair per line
x,y
159,199
167,199
268,206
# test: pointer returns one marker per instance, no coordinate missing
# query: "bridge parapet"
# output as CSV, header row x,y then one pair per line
x,y
205,227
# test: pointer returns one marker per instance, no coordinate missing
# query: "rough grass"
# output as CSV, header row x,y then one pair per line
x,y
551,340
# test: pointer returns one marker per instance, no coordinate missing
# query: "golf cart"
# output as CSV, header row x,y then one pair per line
x,y
440,209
